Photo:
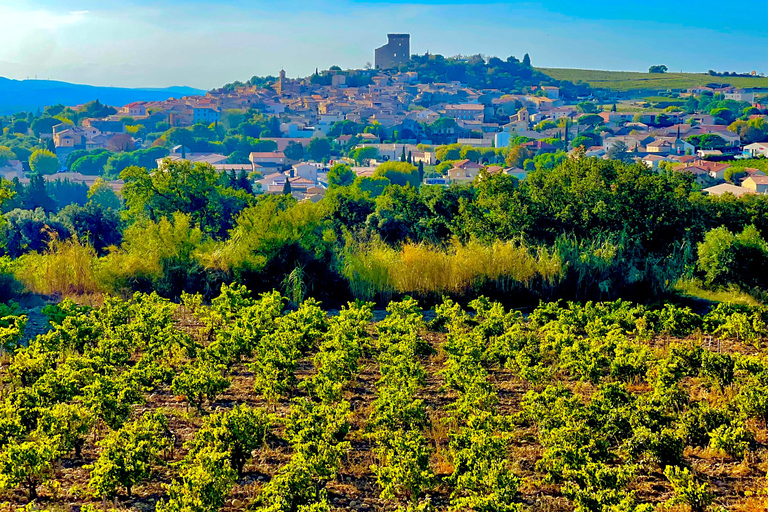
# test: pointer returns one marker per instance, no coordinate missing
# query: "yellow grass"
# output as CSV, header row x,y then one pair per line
x,y
422,269
66,268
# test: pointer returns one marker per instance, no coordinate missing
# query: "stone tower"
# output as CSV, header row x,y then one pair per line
x,y
395,53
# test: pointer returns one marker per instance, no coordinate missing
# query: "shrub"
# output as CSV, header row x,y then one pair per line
x,y
199,381
687,491
127,455
403,469
203,485
26,464
236,432
731,439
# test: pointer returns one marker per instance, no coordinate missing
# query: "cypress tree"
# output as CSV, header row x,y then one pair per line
x,y
287,187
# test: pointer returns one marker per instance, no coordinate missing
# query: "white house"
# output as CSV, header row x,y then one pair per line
x,y
756,149
306,171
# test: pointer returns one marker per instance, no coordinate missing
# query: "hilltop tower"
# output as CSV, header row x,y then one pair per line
x,y
395,53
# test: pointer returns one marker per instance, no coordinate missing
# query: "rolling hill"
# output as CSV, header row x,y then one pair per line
x,y
20,95
628,81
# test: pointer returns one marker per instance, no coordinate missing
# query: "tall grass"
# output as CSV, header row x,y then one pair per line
x,y
376,269
601,269
67,267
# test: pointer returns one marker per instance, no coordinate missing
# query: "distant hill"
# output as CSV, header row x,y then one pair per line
x,y
628,81
20,95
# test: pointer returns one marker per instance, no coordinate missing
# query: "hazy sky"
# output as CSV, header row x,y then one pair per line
x,y
159,43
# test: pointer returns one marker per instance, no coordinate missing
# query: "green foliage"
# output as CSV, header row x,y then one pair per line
x,y
687,491
128,455
43,161
236,432
403,466
200,381
203,485
26,464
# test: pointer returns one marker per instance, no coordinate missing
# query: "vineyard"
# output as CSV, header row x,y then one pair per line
x,y
260,404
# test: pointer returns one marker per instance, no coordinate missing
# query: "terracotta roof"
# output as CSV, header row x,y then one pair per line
x,y
271,154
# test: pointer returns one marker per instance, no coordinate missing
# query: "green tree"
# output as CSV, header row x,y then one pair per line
x,y
43,161
103,196
341,175
658,69
6,155
319,149
398,173
187,188
294,151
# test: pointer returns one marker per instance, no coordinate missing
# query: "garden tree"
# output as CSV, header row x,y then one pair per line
x,y
6,155
448,152
587,107
65,192
619,151
287,187
294,151
319,149
36,195
658,69
517,156
43,125
121,142
708,141
739,259
99,226
19,126
92,164
398,173
26,464
203,485
186,188
236,432
345,127
754,130
199,381
103,196
95,109
547,124
421,171
341,175
127,455
44,162
587,139
364,154
590,120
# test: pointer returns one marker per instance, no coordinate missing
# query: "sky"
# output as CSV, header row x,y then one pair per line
x,y
162,43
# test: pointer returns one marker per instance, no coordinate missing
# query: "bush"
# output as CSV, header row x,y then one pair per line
x,y
199,381
127,455
26,464
236,432
687,491
203,485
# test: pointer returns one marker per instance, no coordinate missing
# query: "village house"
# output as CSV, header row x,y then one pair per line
x,y
466,111
758,184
